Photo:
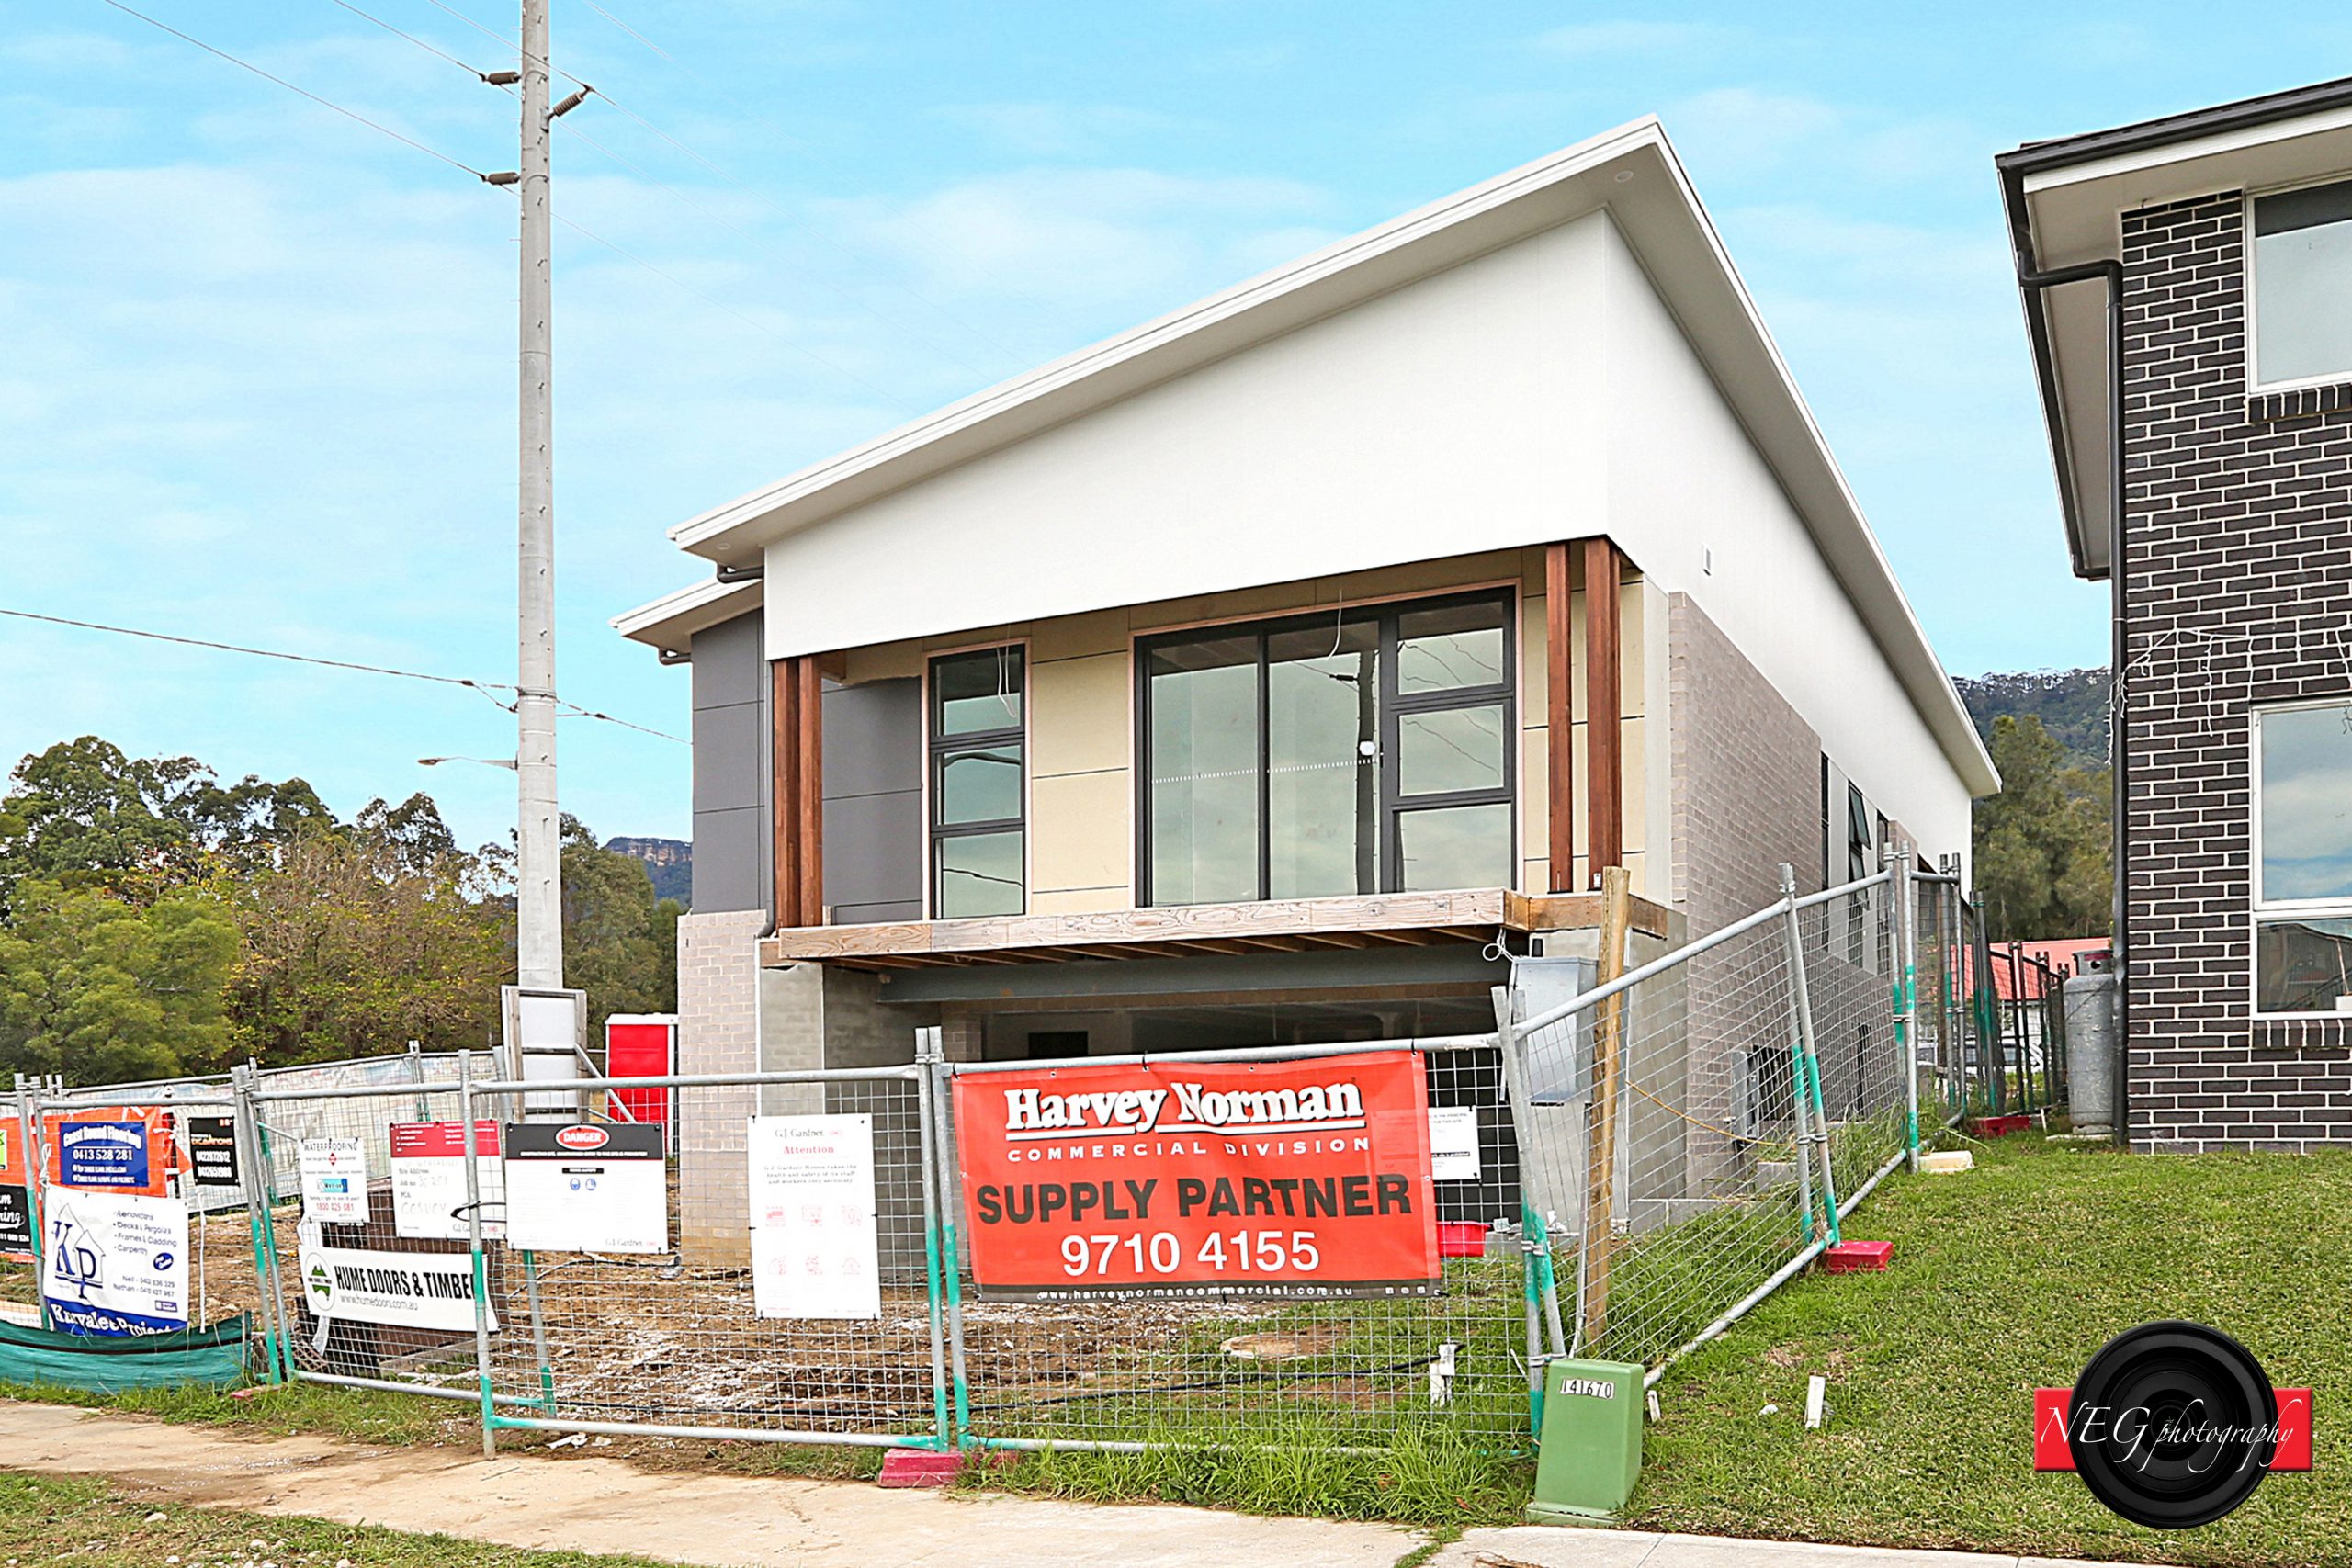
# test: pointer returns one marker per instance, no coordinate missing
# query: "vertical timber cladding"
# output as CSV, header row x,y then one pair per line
x,y
799,782
1132,1179
1593,562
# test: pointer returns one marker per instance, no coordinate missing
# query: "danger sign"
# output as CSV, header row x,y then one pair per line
x,y
1265,1178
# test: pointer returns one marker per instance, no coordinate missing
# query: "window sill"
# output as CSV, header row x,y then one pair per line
x,y
2303,1033
2297,402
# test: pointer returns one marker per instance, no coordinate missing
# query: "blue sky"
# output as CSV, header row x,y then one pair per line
x,y
256,362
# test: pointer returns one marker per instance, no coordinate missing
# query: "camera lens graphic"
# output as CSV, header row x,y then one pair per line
x,y
2172,1424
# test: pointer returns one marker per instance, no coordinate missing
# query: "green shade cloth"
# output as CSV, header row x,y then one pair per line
x,y
213,1357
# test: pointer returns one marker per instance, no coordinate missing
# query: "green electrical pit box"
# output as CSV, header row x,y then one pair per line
x,y
1591,1445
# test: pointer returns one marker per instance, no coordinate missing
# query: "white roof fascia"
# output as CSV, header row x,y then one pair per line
x,y
670,621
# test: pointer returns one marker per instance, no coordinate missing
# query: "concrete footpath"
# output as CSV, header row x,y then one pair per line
x,y
583,1503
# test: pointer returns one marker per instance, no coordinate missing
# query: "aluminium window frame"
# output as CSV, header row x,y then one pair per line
x,y
2259,910
2254,385
937,750
1385,614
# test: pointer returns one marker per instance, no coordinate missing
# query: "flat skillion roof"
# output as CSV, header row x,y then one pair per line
x,y
2064,200
1631,172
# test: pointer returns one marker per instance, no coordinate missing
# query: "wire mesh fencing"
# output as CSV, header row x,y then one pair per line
x,y
1215,1361
765,1268
366,1271
1697,1128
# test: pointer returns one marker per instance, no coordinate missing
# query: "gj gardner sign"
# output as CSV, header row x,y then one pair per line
x,y
1259,1178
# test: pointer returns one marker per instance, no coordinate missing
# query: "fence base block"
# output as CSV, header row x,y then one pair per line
x,y
2002,1126
919,1467
1858,1257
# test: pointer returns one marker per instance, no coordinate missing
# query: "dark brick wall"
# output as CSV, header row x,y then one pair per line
x,y
2238,581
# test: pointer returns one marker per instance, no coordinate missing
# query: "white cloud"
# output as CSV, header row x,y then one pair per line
x,y
1586,41
1092,238
1056,131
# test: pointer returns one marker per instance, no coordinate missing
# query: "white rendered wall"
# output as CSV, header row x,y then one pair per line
x,y
1457,414
1684,481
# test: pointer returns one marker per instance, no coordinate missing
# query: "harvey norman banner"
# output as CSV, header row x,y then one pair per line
x,y
1257,1178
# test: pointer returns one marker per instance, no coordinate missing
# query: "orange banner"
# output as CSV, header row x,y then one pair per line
x,y
110,1148
1228,1178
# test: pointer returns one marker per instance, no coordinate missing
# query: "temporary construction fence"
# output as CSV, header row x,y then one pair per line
x,y
1631,1159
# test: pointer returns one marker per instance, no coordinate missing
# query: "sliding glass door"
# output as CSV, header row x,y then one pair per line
x,y
1351,752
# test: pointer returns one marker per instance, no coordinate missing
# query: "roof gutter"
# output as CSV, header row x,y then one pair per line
x,y
2032,282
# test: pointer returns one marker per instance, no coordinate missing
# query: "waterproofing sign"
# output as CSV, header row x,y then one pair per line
x,y
334,1181
410,1290
115,1263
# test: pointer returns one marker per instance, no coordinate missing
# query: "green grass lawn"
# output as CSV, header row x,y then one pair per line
x,y
2006,1279
83,1521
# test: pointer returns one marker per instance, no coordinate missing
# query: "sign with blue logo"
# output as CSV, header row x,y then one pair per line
x,y
115,1263
103,1155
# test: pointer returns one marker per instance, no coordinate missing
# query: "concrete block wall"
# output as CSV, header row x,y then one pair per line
x,y
2237,562
719,1031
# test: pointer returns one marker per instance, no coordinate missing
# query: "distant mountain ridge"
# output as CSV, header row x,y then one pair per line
x,y
2071,703
669,862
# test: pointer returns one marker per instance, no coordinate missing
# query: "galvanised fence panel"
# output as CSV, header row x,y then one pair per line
x,y
1212,1367
671,1335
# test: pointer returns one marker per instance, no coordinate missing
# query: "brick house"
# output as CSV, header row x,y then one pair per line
x,y
2208,256
1260,674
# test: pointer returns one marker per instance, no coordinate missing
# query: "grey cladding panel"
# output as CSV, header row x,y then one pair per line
x,y
731,861
873,737
732,790
873,828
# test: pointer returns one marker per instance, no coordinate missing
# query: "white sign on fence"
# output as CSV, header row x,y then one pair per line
x,y
586,1186
335,1181
115,1262
814,1249
429,1181
1453,1143
410,1290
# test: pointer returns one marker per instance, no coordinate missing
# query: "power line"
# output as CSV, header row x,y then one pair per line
x,y
304,91
488,688
429,49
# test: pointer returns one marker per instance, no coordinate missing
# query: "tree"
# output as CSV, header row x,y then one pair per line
x,y
620,943
356,942
2042,843
83,815
104,988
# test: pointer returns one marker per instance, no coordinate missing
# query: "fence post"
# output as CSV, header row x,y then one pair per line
x,y
1538,1279
1990,1051
930,1051
28,1118
481,1262
926,1092
416,1076
1807,1065
1906,994
1600,1149
245,1129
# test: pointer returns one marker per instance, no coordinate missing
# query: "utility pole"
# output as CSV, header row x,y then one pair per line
x,y
539,892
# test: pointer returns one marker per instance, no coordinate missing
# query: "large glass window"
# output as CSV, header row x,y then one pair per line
x,y
2302,277
977,741
2302,890
1348,752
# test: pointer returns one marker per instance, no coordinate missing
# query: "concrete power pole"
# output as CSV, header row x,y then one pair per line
x,y
538,887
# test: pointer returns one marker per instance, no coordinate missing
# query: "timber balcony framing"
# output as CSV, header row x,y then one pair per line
x,y
1295,925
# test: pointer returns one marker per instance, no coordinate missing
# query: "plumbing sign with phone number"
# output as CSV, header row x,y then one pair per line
x,y
1301,1179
